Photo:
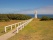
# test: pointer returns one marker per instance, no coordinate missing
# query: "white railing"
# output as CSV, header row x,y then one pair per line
x,y
20,25
10,26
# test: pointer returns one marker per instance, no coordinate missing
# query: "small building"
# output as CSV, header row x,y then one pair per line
x,y
35,14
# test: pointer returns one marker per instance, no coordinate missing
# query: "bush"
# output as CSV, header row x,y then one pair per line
x,y
4,19
45,18
51,18
7,17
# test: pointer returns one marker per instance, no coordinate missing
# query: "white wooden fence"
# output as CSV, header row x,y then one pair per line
x,y
20,26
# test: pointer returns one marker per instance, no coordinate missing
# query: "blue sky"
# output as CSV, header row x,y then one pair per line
x,y
26,6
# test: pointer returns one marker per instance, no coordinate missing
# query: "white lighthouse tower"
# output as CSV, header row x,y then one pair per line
x,y
35,14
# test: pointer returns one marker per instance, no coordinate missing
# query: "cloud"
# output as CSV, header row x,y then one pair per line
x,y
43,10
8,10
46,10
26,12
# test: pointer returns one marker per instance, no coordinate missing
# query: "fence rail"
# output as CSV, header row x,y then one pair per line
x,y
20,26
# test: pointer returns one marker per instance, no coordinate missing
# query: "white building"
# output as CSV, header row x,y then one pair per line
x,y
35,14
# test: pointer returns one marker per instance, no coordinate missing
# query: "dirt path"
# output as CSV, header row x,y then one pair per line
x,y
8,35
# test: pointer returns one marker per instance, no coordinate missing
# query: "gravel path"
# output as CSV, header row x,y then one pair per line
x,y
8,35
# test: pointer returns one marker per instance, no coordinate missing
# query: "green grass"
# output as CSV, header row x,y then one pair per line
x,y
36,30
2,30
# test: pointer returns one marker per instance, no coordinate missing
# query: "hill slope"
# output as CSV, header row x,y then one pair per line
x,y
36,30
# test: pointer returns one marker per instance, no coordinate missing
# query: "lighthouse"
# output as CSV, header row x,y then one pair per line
x,y
35,14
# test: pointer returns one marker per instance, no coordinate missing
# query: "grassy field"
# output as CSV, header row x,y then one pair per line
x,y
36,30
3,24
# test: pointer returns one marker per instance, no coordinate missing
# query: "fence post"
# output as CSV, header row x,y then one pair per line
x,y
15,25
23,25
11,27
17,30
5,29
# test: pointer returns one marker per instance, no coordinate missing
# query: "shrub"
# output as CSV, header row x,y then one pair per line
x,y
7,17
45,18
51,18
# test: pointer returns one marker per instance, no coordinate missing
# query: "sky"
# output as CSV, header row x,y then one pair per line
x,y
26,6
